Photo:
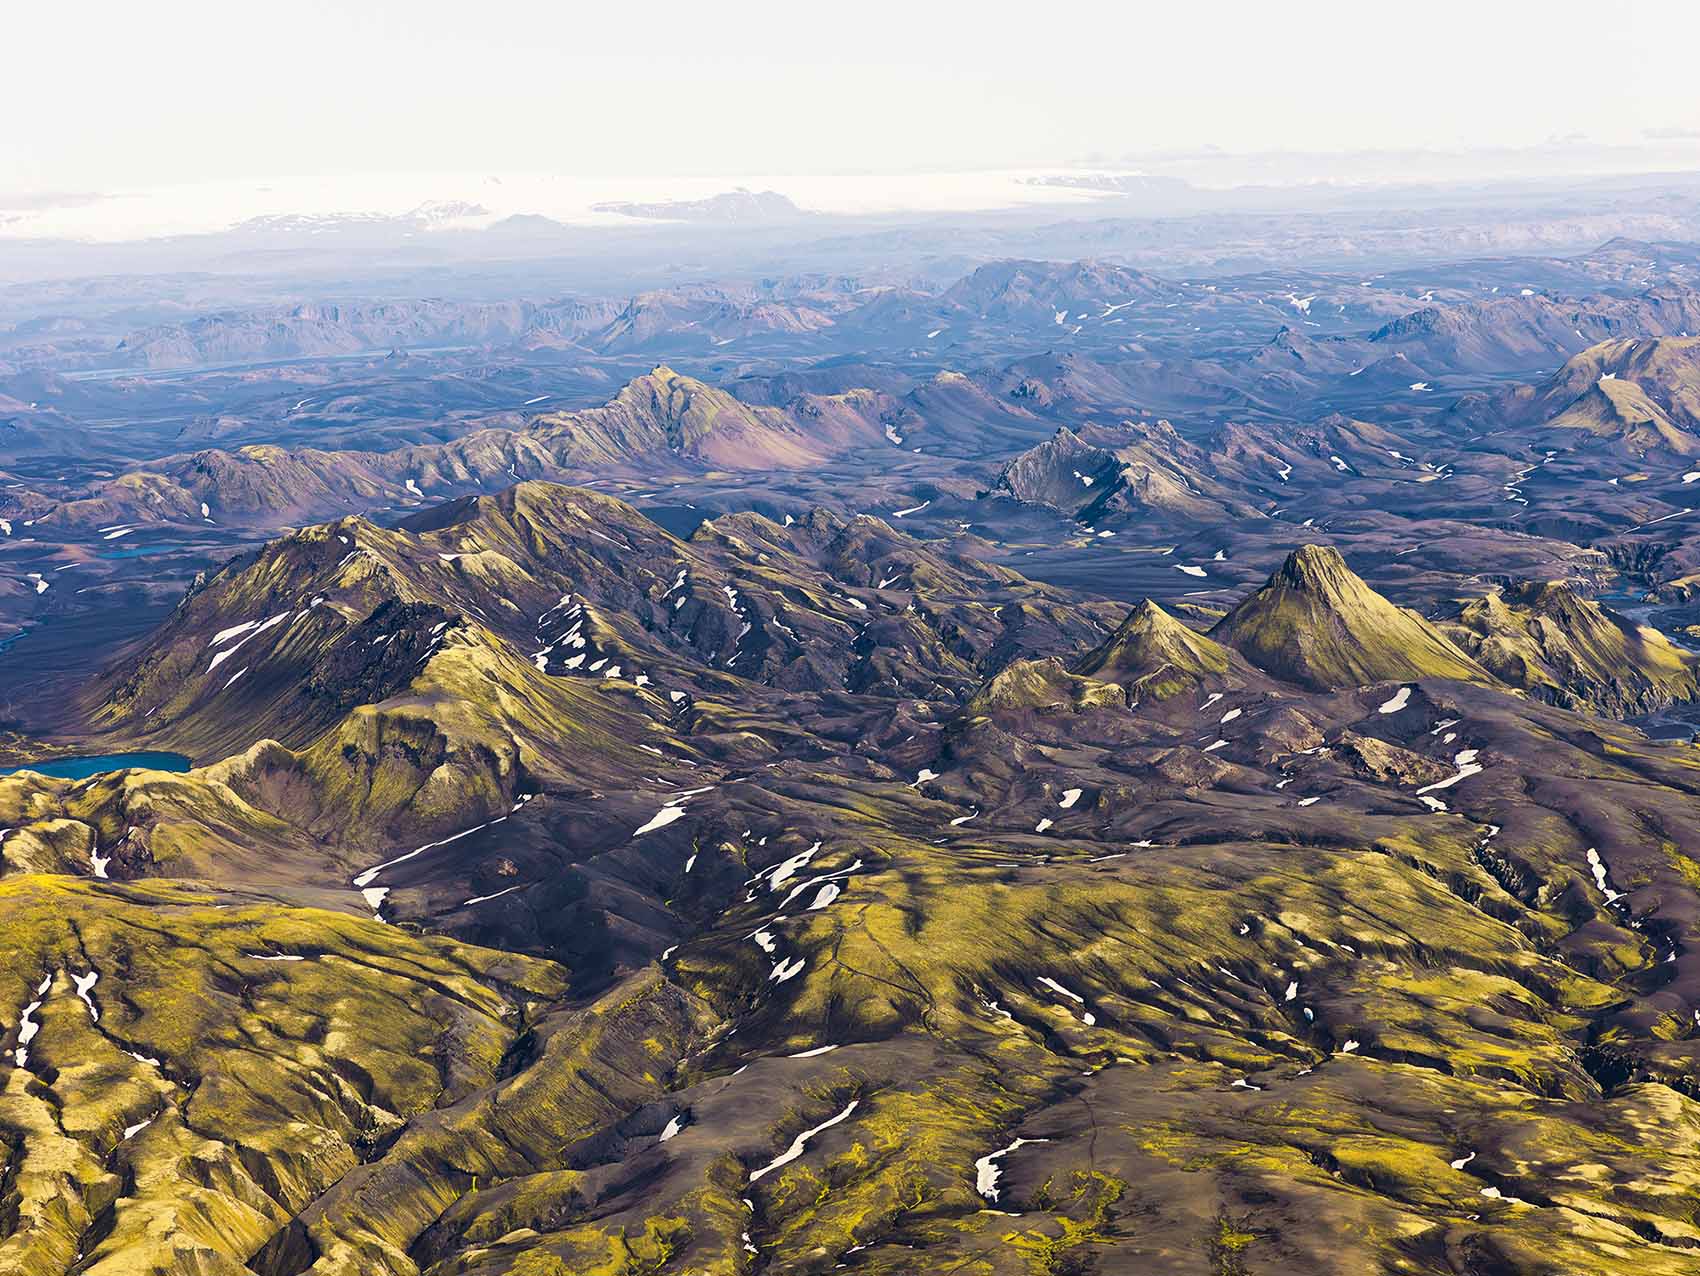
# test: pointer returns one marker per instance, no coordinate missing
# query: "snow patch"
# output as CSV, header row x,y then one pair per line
x,y
987,1173
800,1144
1401,698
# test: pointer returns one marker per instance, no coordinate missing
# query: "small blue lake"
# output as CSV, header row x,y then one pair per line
x,y
98,763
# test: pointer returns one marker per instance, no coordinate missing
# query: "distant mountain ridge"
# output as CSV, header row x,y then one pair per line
x,y
659,417
737,207
1634,398
320,329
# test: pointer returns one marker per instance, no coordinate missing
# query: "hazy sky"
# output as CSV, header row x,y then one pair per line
x,y
104,95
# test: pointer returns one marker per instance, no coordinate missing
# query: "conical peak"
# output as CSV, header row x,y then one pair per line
x,y
1318,624
1316,567
1150,640
1149,621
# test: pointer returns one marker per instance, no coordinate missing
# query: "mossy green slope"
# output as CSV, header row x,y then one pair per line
x,y
1543,637
1193,983
1155,656
1316,623
228,1061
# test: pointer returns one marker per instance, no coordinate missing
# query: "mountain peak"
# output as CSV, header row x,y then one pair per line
x,y
1318,624
1156,655
1318,567
666,411
1147,612
1147,618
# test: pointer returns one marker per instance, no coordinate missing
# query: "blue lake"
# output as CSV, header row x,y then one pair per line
x,y
96,763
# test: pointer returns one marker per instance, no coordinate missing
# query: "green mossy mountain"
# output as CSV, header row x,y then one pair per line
x,y
1154,655
1543,637
1316,623
863,901
1634,398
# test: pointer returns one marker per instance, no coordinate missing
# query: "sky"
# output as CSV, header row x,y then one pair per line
x,y
102,96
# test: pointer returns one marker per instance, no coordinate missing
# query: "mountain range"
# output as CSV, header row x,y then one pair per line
x,y
971,763
636,861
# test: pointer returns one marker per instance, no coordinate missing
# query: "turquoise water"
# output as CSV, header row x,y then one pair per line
x,y
96,763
